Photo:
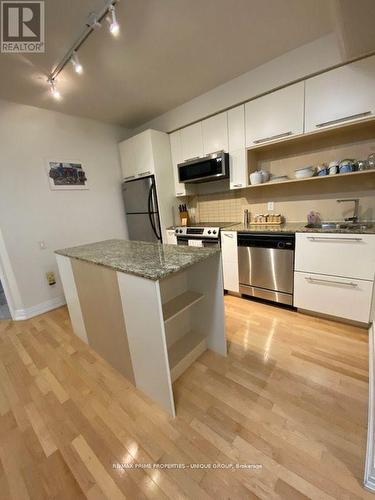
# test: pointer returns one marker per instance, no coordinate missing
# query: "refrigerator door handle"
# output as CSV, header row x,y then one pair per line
x,y
150,213
155,203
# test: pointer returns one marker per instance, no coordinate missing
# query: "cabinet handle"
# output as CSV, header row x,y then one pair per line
x,y
237,185
129,177
333,282
179,194
343,119
228,235
144,173
277,136
336,238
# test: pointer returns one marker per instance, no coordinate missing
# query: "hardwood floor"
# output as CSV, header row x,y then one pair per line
x,y
291,397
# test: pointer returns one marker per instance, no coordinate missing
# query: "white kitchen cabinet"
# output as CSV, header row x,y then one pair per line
x,y
236,128
277,115
238,169
334,274
137,157
230,260
175,140
215,133
341,95
191,141
347,255
171,237
346,298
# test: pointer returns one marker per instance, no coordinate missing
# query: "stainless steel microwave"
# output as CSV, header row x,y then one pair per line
x,y
212,167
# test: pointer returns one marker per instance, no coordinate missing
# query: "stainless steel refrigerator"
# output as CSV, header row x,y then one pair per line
x,y
141,208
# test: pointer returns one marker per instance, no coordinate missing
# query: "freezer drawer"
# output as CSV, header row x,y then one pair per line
x,y
347,298
267,268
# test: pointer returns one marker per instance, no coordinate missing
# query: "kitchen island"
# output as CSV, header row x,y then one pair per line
x,y
150,310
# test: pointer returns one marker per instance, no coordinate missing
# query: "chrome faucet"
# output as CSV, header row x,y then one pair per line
x,y
355,218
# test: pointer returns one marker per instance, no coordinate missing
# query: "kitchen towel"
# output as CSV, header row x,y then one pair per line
x,y
195,243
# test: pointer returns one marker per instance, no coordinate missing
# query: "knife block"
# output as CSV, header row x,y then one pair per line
x,y
184,217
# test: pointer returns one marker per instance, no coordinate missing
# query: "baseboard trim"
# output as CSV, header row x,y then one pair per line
x,y
30,312
369,480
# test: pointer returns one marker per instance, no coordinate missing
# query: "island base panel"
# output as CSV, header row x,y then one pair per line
x,y
101,306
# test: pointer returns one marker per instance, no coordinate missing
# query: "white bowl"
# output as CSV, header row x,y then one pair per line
x,y
303,174
256,178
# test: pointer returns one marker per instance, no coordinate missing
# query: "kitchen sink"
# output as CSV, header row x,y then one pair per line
x,y
340,225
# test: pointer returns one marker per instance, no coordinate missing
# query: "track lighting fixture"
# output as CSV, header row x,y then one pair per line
x,y
76,64
54,91
93,23
114,27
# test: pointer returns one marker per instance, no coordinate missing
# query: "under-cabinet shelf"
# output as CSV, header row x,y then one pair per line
x,y
180,303
185,351
316,178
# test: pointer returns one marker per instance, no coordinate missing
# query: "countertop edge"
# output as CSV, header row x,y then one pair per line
x,y
160,276
296,227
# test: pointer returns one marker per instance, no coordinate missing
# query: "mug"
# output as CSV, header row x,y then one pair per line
x,y
346,166
333,167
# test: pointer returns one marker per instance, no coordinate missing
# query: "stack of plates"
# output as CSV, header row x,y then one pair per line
x,y
279,178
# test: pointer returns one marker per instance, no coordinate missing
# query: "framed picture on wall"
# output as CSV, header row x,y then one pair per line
x,y
66,174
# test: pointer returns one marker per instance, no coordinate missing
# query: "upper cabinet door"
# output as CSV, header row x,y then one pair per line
x,y
237,148
191,141
275,116
127,160
238,169
342,95
215,134
236,128
137,159
175,140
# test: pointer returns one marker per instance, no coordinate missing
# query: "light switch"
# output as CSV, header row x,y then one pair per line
x,y
270,205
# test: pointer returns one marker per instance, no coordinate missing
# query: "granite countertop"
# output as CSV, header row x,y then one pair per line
x,y
152,261
299,227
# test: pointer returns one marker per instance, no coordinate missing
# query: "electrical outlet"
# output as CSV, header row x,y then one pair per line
x,y
270,205
42,245
51,278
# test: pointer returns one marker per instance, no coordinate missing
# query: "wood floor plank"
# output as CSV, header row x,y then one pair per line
x,y
93,464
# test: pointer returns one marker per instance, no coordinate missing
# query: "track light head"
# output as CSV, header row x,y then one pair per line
x,y
78,68
114,26
54,92
92,21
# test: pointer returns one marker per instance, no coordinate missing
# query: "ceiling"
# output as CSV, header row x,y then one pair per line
x,y
169,51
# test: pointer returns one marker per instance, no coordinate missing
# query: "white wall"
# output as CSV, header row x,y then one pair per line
x,y
31,212
296,64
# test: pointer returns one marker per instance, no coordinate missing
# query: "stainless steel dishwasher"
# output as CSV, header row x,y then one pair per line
x,y
266,265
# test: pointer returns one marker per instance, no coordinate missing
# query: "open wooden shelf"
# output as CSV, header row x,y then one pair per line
x,y
180,303
316,178
185,351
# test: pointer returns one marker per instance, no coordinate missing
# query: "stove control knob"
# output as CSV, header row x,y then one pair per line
x,y
180,231
209,231
213,232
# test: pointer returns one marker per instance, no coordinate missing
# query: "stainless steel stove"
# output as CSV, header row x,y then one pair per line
x,y
202,234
